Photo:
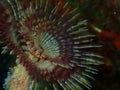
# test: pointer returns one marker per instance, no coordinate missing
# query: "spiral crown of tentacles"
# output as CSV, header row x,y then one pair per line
x,y
51,43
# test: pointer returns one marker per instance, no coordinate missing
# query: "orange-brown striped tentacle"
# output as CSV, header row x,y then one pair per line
x,y
37,73
4,29
4,24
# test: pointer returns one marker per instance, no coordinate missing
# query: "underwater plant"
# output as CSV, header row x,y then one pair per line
x,y
53,47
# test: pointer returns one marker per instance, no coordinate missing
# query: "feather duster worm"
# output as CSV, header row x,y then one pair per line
x,y
51,45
